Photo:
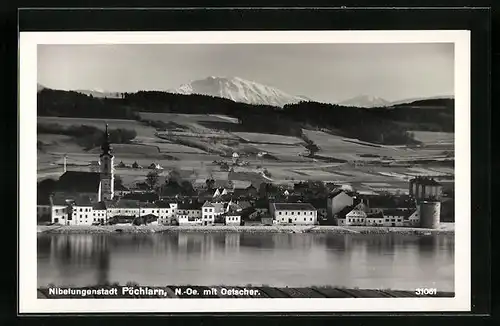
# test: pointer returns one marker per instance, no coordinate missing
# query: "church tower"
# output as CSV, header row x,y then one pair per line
x,y
106,161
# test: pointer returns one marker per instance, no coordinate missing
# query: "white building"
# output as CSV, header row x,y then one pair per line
x,y
413,218
189,214
167,212
71,211
395,217
352,215
232,219
210,211
82,214
185,219
99,214
376,219
149,209
294,213
123,207
59,213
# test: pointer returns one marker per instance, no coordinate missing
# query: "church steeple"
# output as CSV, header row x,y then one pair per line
x,y
106,145
106,161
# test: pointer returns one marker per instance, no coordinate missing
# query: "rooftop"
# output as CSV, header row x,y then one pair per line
x,y
99,206
294,206
63,199
189,206
162,204
123,203
426,181
143,197
147,205
208,204
78,181
345,211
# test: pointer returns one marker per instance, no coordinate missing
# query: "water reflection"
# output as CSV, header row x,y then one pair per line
x,y
370,261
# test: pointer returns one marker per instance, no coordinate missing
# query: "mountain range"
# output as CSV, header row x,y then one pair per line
x,y
245,91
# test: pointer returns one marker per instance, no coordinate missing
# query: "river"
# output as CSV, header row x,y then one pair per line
x,y
386,261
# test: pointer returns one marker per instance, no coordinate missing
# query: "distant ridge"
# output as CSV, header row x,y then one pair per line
x,y
369,101
365,101
99,93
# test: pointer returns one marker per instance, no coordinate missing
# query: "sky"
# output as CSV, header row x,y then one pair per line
x,y
322,72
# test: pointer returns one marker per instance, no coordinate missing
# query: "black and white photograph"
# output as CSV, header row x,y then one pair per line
x,y
257,169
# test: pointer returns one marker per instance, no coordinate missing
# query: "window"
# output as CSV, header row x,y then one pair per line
x,y
305,219
298,213
292,213
311,218
279,213
81,209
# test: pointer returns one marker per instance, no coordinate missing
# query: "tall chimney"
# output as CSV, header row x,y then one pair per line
x,y
64,163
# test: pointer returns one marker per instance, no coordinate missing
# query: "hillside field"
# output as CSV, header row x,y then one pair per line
x,y
196,149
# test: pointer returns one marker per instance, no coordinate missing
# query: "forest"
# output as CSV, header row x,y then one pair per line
x,y
383,125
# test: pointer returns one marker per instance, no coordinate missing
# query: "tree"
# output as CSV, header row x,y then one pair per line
x,y
47,185
152,179
210,182
224,167
174,175
312,148
187,188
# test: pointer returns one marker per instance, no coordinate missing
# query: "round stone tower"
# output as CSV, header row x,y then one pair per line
x,y
430,213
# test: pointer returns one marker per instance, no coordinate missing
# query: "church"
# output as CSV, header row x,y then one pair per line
x,y
93,186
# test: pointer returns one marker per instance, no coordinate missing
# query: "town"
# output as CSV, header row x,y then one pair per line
x,y
95,198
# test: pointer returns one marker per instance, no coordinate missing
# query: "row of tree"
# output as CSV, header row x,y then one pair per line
x,y
87,136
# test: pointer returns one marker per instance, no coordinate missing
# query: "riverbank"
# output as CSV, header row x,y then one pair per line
x,y
445,228
171,291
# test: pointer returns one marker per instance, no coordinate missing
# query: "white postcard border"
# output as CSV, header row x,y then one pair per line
x,y
27,259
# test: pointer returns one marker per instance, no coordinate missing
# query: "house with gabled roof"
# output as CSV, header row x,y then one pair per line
x,y
354,214
210,211
99,213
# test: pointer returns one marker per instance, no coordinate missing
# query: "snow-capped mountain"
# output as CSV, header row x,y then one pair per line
x,y
239,90
365,101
